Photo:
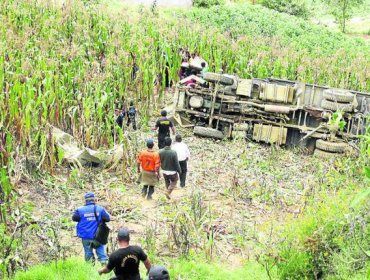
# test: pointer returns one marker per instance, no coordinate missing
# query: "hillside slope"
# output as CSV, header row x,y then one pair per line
x,y
71,66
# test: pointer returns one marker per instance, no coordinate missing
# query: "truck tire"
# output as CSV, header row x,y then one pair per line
x,y
323,154
334,106
196,101
334,147
338,95
218,78
208,132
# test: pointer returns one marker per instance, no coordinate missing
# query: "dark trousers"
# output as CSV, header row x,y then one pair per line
x,y
147,191
161,138
184,169
133,121
170,182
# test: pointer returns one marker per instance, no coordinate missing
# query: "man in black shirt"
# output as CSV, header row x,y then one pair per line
x,y
125,261
163,125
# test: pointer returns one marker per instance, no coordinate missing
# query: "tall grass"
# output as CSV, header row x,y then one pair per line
x,y
71,269
70,67
77,269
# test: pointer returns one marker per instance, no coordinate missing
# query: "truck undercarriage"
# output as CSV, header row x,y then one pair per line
x,y
274,111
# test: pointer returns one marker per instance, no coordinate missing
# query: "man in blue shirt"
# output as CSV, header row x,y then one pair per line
x,y
87,224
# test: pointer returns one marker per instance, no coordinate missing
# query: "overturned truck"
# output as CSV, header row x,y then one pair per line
x,y
273,111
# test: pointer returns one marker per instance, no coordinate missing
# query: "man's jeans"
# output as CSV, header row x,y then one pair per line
x,y
89,254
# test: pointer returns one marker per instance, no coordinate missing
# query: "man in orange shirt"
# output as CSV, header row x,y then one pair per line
x,y
149,162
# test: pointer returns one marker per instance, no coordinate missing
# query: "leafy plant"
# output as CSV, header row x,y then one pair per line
x,y
298,8
207,3
342,10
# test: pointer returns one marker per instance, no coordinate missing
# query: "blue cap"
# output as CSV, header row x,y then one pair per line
x,y
149,141
89,196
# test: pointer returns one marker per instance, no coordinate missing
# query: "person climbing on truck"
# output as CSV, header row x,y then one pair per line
x,y
131,115
163,124
204,68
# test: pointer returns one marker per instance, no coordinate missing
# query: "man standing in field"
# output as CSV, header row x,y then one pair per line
x,y
170,166
183,155
131,116
126,259
88,218
148,160
163,125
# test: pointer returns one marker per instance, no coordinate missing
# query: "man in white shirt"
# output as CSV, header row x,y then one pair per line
x,y
183,155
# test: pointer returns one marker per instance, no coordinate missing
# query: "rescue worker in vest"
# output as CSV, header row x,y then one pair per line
x,y
88,218
170,166
163,125
126,259
131,115
148,161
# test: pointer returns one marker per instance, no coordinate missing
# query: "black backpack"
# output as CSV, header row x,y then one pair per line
x,y
102,232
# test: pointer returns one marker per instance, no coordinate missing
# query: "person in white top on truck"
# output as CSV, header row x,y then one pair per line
x,y
183,155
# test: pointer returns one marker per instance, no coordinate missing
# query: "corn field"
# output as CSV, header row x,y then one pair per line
x,y
71,67
68,64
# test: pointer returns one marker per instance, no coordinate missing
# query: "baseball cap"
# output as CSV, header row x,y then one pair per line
x,y
149,141
158,272
89,196
123,233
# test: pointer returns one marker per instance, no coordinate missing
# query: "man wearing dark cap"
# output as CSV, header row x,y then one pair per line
x,y
88,218
170,166
163,125
148,164
158,272
126,259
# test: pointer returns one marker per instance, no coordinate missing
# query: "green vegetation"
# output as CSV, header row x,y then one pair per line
x,y
207,3
71,269
330,239
77,269
267,43
342,10
71,66
298,8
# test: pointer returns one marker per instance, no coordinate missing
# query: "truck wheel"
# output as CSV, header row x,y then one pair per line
x,y
196,101
334,106
338,95
323,154
334,147
208,132
218,78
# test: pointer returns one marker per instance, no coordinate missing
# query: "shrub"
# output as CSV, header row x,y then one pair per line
x,y
207,3
297,8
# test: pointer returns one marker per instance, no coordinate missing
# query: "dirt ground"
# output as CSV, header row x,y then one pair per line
x,y
245,190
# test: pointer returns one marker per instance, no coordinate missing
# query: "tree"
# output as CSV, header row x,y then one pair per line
x,y
342,10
